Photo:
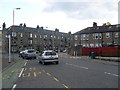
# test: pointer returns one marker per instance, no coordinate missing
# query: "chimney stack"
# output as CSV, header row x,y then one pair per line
x,y
94,24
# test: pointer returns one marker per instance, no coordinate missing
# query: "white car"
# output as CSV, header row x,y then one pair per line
x,y
48,56
21,53
29,53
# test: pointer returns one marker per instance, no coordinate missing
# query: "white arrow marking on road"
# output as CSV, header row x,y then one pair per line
x,y
112,74
21,72
77,66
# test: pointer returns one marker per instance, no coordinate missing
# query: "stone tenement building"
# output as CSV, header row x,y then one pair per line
x,y
23,37
98,36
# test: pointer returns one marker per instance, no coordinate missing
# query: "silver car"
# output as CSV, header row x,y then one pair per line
x,y
29,53
48,56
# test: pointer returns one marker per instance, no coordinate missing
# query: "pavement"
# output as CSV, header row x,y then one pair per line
x,y
113,59
11,70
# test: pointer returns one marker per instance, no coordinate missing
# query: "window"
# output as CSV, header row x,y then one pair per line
x,y
96,35
30,41
87,45
40,36
45,36
107,35
76,37
30,35
100,36
116,34
35,36
14,34
91,45
21,35
51,36
96,45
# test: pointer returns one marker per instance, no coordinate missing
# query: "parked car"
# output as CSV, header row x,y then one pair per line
x,y
21,53
48,56
29,53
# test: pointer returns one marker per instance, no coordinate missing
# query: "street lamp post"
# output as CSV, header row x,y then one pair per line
x,y
10,34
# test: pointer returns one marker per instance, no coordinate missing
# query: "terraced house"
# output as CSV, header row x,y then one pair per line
x,y
23,37
98,36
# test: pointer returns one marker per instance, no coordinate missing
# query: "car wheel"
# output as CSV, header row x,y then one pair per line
x,y
40,62
57,62
43,63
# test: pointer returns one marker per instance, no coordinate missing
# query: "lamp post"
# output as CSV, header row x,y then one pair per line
x,y
10,34
14,14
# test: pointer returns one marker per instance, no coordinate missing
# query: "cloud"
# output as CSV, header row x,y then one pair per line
x,y
84,10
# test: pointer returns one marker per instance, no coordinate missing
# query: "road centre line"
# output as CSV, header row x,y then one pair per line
x,y
14,86
55,79
112,74
77,66
21,72
48,74
65,86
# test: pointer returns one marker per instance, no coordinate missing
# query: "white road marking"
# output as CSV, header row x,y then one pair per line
x,y
43,70
14,86
112,74
35,74
21,72
28,74
55,79
65,86
48,74
77,66
25,69
39,72
25,63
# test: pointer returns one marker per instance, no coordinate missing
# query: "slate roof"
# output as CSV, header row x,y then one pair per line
x,y
33,30
99,29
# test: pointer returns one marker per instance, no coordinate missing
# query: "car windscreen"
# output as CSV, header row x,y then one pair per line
x,y
50,53
31,51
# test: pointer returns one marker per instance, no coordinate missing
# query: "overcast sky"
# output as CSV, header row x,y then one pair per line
x,y
66,15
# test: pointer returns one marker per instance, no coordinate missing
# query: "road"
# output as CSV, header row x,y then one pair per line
x,y
69,73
